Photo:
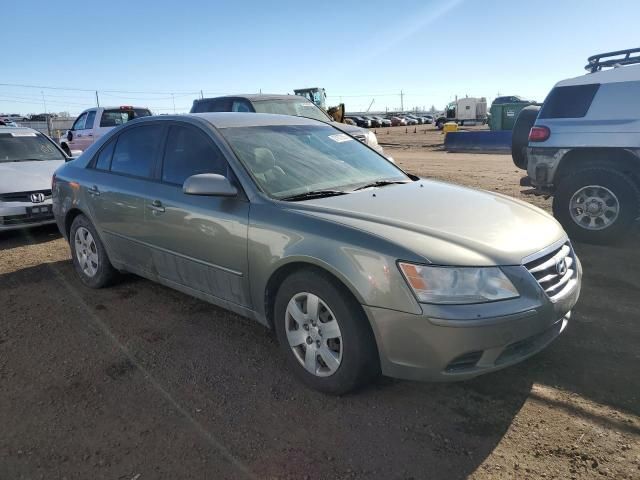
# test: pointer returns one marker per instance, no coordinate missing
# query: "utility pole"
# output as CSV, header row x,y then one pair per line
x,y
401,101
201,94
173,99
44,102
97,99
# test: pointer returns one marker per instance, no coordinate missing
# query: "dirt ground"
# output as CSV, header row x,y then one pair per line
x,y
141,382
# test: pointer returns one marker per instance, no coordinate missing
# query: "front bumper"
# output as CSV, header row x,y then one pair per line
x,y
463,341
17,215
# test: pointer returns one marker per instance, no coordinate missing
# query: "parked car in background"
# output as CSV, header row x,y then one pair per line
x,y
7,123
582,147
428,119
416,118
409,120
374,122
95,122
384,122
283,105
360,121
397,121
27,161
293,223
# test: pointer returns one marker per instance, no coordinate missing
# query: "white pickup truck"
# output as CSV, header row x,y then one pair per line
x,y
95,122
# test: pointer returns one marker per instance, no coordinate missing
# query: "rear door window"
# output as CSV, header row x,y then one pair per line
x,y
240,106
569,102
189,152
214,105
136,150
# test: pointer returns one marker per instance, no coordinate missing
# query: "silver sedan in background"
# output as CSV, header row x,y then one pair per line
x,y
359,267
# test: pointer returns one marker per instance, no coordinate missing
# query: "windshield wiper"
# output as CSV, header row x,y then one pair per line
x,y
313,194
380,183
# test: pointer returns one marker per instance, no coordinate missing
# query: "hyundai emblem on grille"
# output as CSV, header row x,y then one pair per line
x,y
561,267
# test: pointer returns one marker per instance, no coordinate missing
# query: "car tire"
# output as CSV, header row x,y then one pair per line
x,y
89,256
439,124
520,134
351,353
614,196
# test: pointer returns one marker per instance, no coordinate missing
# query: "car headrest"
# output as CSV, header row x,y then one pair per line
x,y
263,159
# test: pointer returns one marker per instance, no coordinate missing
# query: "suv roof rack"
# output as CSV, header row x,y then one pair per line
x,y
602,60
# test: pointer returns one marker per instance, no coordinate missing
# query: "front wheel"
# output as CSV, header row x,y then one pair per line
x,y
597,205
324,333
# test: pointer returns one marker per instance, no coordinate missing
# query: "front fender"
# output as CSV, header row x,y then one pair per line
x,y
364,263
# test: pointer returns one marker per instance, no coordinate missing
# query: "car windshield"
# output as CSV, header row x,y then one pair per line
x,y
287,160
297,108
27,146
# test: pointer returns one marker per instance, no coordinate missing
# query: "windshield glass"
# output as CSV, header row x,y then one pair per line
x,y
297,108
27,146
287,160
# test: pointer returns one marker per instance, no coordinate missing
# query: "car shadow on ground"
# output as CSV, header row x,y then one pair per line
x,y
151,378
36,235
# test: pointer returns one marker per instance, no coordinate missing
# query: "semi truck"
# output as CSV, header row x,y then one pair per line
x,y
464,110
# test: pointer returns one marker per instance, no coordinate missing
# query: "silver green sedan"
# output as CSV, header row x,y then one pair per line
x,y
359,267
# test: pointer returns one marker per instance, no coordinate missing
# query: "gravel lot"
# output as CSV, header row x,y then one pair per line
x,y
141,382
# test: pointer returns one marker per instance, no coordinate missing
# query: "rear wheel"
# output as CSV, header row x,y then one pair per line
x,y
520,135
597,205
88,254
324,333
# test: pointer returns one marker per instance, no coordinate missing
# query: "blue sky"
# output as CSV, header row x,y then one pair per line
x,y
140,52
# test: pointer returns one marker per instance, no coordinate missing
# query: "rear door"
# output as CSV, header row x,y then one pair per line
x,y
123,173
85,136
200,242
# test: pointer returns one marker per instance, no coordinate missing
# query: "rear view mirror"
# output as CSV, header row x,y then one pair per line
x,y
209,184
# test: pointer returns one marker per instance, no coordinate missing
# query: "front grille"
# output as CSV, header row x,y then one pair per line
x,y
547,270
23,196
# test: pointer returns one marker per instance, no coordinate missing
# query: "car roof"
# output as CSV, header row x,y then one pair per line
x,y
241,119
259,96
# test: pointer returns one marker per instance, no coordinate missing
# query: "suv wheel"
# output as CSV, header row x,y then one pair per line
x,y
88,254
324,333
597,205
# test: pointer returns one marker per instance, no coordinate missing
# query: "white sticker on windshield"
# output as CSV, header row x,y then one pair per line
x,y
307,104
340,137
23,134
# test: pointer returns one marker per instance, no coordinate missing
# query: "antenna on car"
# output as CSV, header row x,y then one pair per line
x,y
603,60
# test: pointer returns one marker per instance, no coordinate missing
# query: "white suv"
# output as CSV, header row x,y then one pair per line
x,y
583,148
95,122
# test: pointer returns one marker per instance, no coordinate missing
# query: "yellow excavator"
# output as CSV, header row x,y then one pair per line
x,y
319,97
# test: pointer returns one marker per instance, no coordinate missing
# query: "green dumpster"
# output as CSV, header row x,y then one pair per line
x,y
503,116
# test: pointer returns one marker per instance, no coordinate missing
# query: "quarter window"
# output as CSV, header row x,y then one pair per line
x,y
190,152
569,102
104,157
136,150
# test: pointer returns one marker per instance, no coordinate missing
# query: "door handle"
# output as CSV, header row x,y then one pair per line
x,y
156,206
93,191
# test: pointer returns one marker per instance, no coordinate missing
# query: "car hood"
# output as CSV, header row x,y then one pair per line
x,y
27,176
444,224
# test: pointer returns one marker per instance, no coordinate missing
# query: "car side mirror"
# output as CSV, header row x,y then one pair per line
x,y
69,135
209,184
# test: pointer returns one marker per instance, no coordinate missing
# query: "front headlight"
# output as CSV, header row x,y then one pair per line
x,y
457,285
372,140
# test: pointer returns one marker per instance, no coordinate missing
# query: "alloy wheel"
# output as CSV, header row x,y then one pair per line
x,y
594,207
